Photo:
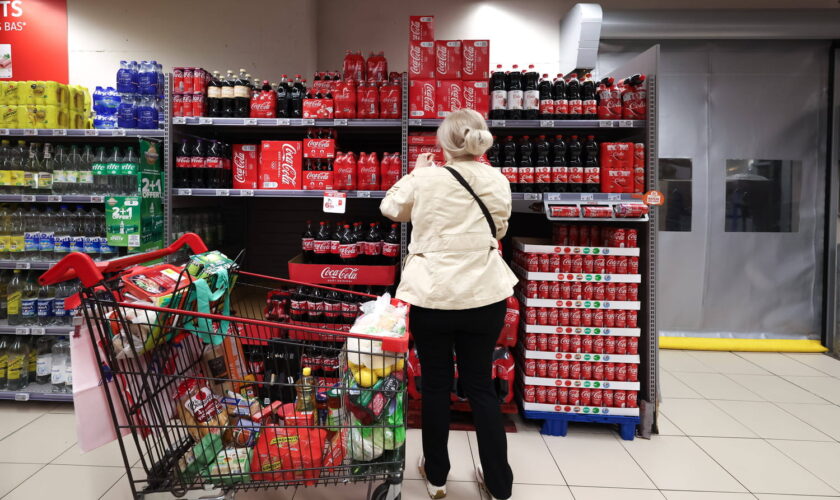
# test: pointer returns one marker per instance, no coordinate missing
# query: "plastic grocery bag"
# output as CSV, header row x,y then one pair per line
x,y
381,318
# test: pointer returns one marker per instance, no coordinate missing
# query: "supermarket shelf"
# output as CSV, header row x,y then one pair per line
x,y
25,264
537,245
593,197
282,122
270,193
580,304
583,356
37,392
591,410
6,329
52,198
558,124
582,330
81,132
584,277
584,384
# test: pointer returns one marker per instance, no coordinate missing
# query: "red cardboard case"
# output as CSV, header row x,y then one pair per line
x,y
421,60
449,96
340,273
245,159
477,96
281,165
319,148
475,60
448,60
421,99
421,28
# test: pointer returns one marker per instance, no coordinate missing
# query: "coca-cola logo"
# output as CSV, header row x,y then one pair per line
x,y
318,143
288,174
318,176
469,59
415,59
454,97
341,273
416,30
260,105
469,96
240,168
442,59
428,99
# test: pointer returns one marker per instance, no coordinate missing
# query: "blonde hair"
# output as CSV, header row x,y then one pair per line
x,y
464,135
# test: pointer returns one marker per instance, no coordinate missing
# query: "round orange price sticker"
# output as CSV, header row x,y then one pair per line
x,y
653,198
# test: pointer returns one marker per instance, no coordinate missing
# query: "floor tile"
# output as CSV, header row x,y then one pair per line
x,y
672,387
700,417
824,418
666,427
770,422
537,491
63,408
68,482
776,389
589,493
105,455
821,362
122,491
413,489
706,495
529,458
821,459
460,456
12,475
681,361
677,463
779,364
41,441
578,454
355,490
728,363
762,468
792,497
15,415
825,387
717,386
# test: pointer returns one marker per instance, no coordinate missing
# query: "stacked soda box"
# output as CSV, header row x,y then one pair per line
x,y
423,142
580,330
445,75
44,104
189,91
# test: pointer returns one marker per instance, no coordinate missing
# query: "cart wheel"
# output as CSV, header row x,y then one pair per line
x,y
381,492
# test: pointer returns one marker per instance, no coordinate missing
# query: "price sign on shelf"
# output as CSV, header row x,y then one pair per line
x,y
283,122
246,192
362,194
497,123
307,121
605,123
335,202
340,121
54,198
4,131
547,123
59,131
205,121
184,192
531,196
27,197
249,121
22,396
586,197
119,131
91,132
625,123
653,198
38,330
223,192
21,331
30,131
97,199
415,122
178,120
613,196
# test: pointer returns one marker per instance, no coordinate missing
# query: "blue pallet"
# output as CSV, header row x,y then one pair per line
x,y
557,424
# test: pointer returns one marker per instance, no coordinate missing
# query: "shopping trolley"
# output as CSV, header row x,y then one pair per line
x,y
216,400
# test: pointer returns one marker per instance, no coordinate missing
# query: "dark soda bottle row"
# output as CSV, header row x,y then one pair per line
x,y
351,244
203,163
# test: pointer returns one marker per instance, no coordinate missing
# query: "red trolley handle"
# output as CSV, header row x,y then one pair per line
x,y
81,266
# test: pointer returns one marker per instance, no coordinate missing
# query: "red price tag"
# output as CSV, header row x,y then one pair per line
x,y
653,198
335,202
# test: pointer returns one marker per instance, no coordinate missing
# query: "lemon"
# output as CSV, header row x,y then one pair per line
x,y
400,365
366,377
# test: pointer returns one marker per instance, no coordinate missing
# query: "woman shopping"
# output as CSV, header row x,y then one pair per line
x,y
457,283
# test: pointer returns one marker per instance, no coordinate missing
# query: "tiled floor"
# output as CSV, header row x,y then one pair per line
x,y
733,426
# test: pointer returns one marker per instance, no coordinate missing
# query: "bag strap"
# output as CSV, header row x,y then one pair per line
x,y
481,205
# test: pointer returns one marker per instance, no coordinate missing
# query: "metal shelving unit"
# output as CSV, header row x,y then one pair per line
x,y
6,328
284,122
89,133
543,124
51,198
25,264
36,392
269,193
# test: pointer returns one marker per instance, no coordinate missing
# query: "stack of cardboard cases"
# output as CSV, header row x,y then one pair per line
x,y
44,104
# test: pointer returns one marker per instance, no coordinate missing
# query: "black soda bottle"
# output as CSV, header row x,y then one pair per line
x,y
182,164
321,248
214,166
197,165
591,168
546,98
515,95
307,244
335,243
573,95
575,165
373,246
493,154
509,163
590,102
391,247
498,94
526,165
561,103
283,98
559,168
348,248
542,166
531,95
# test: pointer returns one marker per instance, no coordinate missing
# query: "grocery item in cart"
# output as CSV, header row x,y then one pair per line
x,y
231,466
156,284
199,409
288,454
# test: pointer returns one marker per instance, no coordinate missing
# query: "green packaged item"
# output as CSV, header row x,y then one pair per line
x,y
200,456
231,466
213,282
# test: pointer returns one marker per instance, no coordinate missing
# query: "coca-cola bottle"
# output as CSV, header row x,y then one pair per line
x,y
315,305
197,165
531,95
349,310
322,252
515,94
546,98
498,94
591,168
307,244
228,95
573,95
298,306
214,96
214,176
391,247
335,243
559,169
182,164
561,102
348,248
590,102
242,95
526,165
494,154
296,93
542,166
575,165
373,246
283,97
509,164
332,308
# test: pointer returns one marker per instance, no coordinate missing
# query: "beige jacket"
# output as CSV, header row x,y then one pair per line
x,y
453,261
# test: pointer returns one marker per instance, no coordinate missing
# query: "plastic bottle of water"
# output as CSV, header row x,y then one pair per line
x,y
84,169
29,301
78,242
46,297
17,357
126,115
125,78
46,240
17,234
145,78
106,251
91,235
14,292
99,167
31,235
60,360
62,316
147,113
130,167
43,349
63,233
98,95
5,236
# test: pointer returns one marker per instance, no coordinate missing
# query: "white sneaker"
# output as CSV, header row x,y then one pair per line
x,y
479,475
435,492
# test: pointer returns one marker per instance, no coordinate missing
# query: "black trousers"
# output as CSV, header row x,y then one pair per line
x,y
472,333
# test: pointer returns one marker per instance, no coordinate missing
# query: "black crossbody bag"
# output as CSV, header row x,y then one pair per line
x,y
481,204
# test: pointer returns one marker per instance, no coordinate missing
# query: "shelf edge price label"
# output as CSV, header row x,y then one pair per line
x,y
119,132
335,202
250,121
54,198
203,120
21,331
97,199
178,120
27,197
546,123
552,197
38,330
21,396
283,122
497,123
23,265
586,197
362,194
625,123
605,123
340,121
184,192
59,131
531,196
4,131
415,122
91,132
246,192
223,192
30,131
613,196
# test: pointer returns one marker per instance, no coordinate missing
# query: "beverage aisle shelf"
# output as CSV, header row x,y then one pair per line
x,y
6,329
543,124
284,122
51,198
37,392
25,264
81,132
270,193
569,276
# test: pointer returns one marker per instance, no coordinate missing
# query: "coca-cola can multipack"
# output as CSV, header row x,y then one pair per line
x,y
245,160
449,97
476,96
448,60
475,56
421,28
281,165
421,60
421,98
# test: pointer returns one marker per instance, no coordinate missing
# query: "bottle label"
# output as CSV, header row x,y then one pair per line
x,y
45,307
592,175
62,244
321,247
532,99
30,242
511,174
514,99
13,303
71,176
45,180
91,244
575,107
526,175
390,249
28,307
334,244
182,162
561,107
348,251
59,176
214,92
546,107
33,361
58,308
16,243
57,375
44,365
575,175
373,248
307,244
29,179
542,175
85,177
590,107
77,244
227,93
4,363
14,367
16,178
5,243
499,100
5,178
104,247
241,91
68,375
46,241
559,175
